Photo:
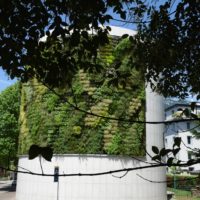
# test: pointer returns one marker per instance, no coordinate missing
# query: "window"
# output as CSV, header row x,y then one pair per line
x,y
188,125
191,169
173,127
189,139
165,140
189,155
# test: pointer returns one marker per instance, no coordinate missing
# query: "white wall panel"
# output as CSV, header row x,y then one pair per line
x,y
106,187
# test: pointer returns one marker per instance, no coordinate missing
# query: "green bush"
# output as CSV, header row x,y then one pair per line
x,y
182,182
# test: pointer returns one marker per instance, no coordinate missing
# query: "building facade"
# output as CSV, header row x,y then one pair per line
x,y
184,130
75,181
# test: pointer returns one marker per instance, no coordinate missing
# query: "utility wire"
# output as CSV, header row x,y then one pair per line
x,y
101,173
85,174
167,181
137,22
118,119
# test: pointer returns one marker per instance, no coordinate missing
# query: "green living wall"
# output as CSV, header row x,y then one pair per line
x,y
46,119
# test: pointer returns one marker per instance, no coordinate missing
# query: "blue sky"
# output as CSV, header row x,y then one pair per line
x,y
4,80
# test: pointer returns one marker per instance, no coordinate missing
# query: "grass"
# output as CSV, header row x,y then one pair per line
x,y
3,178
183,194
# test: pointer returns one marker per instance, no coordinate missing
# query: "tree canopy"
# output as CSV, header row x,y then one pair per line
x,y
170,49
166,47
9,127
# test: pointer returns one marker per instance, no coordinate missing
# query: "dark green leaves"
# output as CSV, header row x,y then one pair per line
x,y
170,161
169,153
192,106
125,36
34,151
187,112
160,153
162,48
177,141
45,152
23,24
155,149
164,152
194,116
175,151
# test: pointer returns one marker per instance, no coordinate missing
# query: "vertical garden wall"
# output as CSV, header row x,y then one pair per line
x,y
47,119
77,137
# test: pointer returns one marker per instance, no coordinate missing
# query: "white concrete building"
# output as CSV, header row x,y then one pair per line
x,y
184,131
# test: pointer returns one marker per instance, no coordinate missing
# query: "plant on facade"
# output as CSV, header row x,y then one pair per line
x,y
48,121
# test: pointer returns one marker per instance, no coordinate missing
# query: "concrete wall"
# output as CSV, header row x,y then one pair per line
x,y
105,187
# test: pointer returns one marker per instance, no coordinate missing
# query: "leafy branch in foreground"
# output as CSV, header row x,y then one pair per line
x,y
170,155
166,47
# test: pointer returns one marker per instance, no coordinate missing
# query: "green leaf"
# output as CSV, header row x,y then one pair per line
x,y
124,36
47,153
177,141
131,39
123,14
34,151
157,157
175,151
155,149
186,112
193,105
198,96
170,161
164,151
194,116
190,162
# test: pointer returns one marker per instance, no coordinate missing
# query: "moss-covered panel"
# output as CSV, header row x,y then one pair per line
x,y
47,119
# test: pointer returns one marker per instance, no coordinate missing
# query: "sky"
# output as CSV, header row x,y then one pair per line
x,y
4,80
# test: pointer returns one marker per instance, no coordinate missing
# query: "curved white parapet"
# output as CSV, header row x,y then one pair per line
x,y
115,31
104,187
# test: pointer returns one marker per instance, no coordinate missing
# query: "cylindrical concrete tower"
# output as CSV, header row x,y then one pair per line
x,y
154,113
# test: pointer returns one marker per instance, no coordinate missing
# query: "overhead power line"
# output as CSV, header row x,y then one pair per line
x,y
76,107
137,22
99,173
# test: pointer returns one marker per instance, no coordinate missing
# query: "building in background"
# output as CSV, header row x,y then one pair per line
x,y
184,130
